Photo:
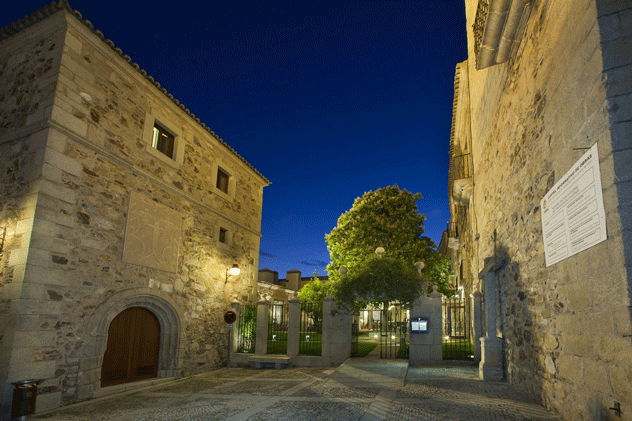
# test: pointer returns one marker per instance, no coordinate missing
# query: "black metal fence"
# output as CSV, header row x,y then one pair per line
x,y
457,332
277,328
246,329
311,330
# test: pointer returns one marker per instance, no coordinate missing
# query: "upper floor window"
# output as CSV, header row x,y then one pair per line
x,y
223,235
222,180
163,140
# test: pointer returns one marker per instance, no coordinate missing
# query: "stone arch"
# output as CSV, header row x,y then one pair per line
x,y
172,326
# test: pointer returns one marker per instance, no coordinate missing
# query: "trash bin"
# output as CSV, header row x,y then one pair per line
x,y
24,396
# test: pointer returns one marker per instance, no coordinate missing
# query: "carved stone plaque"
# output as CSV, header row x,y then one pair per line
x,y
152,234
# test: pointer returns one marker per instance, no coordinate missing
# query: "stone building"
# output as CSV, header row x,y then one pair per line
x,y
120,214
547,88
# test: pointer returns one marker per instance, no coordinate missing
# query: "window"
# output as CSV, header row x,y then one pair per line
x,y
222,180
163,140
223,235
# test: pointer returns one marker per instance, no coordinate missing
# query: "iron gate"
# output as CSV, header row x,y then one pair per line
x,y
394,337
277,328
457,332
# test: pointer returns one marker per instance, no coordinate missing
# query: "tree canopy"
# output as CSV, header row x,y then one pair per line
x,y
388,218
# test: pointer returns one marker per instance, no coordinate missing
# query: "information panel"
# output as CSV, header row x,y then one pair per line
x,y
573,217
418,325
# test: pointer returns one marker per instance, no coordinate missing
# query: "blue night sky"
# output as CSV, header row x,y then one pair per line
x,y
327,99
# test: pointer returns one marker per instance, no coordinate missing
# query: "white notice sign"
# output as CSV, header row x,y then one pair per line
x,y
573,217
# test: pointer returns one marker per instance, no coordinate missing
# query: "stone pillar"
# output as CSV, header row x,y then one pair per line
x,y
233,334
293,327
477,323
336,333
427,348
491,366
261,336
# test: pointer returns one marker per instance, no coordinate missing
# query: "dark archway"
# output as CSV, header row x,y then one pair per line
x,y
133,347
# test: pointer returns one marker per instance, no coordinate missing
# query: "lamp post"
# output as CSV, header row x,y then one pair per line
x,y
420,266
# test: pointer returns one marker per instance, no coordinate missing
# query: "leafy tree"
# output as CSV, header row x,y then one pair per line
x,y
388,218
311,296
378,281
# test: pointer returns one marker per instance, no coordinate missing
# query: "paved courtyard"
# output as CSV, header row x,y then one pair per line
x,y
362,389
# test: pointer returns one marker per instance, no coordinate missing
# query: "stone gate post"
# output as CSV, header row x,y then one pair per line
x,y
293,327
491,366
261,336
336,333
426,348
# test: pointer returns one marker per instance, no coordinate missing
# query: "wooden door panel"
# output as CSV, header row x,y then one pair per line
x,y
133,347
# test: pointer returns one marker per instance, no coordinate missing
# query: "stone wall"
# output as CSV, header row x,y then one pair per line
x,y
107,221
566,328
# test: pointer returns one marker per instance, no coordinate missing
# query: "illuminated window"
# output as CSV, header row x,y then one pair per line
x,y
163,140
222,180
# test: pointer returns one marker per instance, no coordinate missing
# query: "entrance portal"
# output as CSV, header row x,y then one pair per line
x,y
133,347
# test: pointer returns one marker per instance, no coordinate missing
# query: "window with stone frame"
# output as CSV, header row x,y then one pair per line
x,y
222,180
223,235
163,141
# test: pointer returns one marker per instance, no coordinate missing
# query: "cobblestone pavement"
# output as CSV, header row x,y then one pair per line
x,y
361,389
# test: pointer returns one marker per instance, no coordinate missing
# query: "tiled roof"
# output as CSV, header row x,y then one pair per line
x,y
49,10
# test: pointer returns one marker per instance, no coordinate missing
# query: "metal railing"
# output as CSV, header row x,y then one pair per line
x,y
457,333
311,330
277,329
246,329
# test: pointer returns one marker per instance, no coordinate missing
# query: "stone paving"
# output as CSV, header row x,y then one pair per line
x,y
362,389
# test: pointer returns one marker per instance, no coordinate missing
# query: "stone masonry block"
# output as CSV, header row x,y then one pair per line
x,y
62,162
621,107
619,81
18,257
616,25
77,71
608,7
48,401
596,375
51,173
69,121
73,43
38,257
39,274
621,380
34,339
39,306
24,226
580,345
578,296
57,191
39,370
57,141
615,349
52,215
570,367
623,321
623,164
617,52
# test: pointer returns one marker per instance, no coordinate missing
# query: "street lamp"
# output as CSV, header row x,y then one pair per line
x,y
420,266
232,271
342,270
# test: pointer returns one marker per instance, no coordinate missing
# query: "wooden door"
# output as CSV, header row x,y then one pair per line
x,y
133,347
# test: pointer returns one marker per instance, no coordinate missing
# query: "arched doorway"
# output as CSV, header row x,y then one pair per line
x,y
133,347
